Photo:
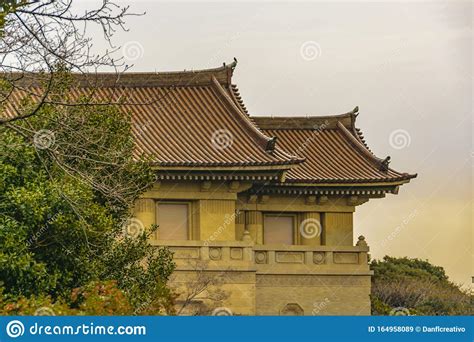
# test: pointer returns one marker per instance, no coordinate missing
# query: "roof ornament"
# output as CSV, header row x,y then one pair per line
x,y
361,241
271,144
384,164
234,63
355,111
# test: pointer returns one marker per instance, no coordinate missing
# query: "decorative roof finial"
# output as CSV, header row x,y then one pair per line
x,y
355,111
271,144
384,164
233,64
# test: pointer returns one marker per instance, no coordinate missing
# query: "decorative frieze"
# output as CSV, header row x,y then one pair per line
x,y
216,177
319,257
236,253
186,252
345,258
234,186
289,257
215,253
261,257
352,200
205,186
322,199
329,191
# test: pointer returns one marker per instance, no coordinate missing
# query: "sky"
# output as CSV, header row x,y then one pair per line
x,y
407,65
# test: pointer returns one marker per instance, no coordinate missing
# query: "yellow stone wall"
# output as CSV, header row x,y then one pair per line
x,y
324,274
338,229
234,290
316,294
217,220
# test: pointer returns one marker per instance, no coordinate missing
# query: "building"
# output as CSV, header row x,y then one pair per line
x,y
257,210
263,204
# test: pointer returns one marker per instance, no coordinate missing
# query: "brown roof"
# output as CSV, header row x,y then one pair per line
x,y
188,118
334,149
197,119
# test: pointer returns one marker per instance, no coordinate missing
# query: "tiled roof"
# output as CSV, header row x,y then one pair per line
x,y
197,120
334,149
188,118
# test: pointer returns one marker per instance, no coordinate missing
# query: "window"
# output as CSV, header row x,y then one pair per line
x,y
278,229
173,221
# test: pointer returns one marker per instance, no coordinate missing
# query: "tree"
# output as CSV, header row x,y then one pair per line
x,y
413,286
38,36
67,179
204,293
68,173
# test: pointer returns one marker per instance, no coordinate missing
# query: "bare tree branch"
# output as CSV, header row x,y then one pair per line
x,y
37,37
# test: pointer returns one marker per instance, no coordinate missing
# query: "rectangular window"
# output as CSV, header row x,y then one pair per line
x,y
173,221
278,229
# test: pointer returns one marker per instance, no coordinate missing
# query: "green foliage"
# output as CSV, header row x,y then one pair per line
x,y
399,268
64,197
96,298
146,291
417,286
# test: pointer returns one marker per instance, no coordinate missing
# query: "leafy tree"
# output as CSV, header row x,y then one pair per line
x,y
67,179
96,298
68,175
414,286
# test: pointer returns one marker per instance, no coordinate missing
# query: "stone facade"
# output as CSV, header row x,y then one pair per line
x,y
226,264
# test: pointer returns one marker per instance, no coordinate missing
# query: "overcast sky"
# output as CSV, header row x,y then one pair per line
x,y
408,66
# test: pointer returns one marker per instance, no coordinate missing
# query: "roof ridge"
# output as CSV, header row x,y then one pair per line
x,y
381,164
265,142
305,122
183,78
